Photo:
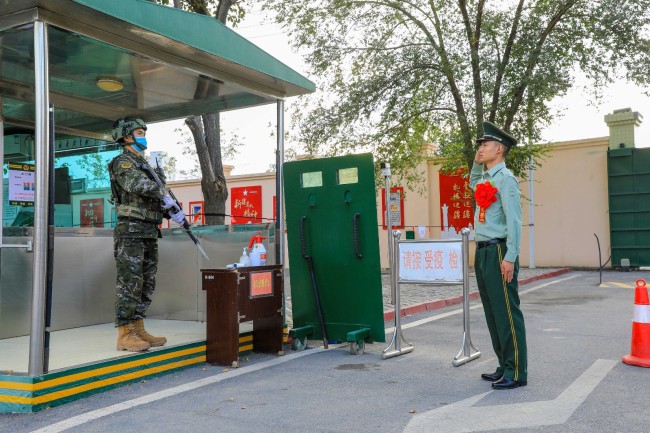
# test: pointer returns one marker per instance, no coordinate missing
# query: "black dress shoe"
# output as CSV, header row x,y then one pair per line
x,y
507,383
492,377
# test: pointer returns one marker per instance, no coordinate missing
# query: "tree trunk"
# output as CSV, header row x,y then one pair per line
x,y
205,130
207,138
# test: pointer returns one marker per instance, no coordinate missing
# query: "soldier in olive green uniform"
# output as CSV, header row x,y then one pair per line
x,y
497,235
141,205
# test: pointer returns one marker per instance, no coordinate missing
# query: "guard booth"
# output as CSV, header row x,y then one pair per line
x,y
94,61
334,251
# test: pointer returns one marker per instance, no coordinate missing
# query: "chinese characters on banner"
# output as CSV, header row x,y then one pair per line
x,y
91,212
246,204
431,261
196,213
21,184
396,207
455,205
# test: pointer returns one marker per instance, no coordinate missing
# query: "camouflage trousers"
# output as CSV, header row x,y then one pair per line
x,y
137,263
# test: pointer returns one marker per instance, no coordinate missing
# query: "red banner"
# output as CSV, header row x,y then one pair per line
x,y
91,212
455,204
246,204
275,211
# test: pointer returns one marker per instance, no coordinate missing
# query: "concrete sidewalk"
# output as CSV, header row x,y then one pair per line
x,y
418,298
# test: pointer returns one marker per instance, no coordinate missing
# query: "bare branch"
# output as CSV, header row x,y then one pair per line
x,y
534,59
473,38
503,64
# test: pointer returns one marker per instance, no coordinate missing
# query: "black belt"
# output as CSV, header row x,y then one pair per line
x,y
481,244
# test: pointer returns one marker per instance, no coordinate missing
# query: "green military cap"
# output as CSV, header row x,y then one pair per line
x,y
491,132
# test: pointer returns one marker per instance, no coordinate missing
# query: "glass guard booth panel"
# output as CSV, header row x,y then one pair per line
x,y
80,183
90,83
17,101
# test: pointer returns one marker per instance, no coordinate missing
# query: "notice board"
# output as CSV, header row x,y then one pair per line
x,y
431,261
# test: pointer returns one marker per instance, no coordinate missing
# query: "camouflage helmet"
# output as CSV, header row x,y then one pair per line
x,y
124,126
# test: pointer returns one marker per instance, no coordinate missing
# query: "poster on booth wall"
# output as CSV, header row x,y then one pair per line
x,y
396,207
246,205
196,213
22,184
10,212
91,212
455,205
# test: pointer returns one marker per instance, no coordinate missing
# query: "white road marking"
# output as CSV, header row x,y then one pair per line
x,y
463,417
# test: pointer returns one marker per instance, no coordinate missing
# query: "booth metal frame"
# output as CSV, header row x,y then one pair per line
x,y
228,73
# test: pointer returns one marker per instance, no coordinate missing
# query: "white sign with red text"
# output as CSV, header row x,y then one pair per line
x,y
431,261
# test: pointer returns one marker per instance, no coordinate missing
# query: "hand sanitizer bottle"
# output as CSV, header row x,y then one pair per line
x,y
244,258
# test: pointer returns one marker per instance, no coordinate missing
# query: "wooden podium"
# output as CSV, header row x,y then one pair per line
x,y
241,295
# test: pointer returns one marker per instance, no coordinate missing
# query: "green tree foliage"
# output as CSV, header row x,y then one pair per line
x,y
226,11
393,75
230,148
94,167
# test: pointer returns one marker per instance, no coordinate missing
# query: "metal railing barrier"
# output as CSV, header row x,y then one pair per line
x,y
467,351
398,337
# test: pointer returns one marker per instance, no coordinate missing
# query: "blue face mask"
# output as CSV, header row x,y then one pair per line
x,y
140,143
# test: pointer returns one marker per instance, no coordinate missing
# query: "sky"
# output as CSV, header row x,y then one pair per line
x,y
582,117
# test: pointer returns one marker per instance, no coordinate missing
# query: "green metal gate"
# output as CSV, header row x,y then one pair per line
x,y
332,221
629,205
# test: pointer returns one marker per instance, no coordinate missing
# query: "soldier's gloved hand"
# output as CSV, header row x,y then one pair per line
x,y
177,217
170,203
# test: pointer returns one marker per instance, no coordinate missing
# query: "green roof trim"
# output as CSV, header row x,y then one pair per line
x,y
201,32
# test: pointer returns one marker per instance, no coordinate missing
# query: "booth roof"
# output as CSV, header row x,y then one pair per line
x,y
170,64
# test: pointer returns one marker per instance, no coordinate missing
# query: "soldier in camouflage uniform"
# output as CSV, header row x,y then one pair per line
x,y
141,205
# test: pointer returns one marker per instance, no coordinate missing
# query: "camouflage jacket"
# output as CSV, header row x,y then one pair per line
x,y
138,199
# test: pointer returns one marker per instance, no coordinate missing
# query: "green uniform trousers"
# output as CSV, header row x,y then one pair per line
x,y
505,321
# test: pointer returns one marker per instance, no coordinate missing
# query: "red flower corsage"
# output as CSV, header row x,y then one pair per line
x,y
485,195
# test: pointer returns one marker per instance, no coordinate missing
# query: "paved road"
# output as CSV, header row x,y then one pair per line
x,y
577,333
412,295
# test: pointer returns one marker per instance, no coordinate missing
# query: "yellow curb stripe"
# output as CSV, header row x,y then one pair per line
x,y
512,325
18,386
246,338
245,348
621,285
100,384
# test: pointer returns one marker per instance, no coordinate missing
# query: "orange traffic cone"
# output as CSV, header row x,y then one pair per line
x,y
640,353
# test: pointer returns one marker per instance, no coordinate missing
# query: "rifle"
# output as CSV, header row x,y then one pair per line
x,y
186,225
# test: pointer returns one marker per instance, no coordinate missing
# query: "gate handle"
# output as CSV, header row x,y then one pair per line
x,y
355,235
303,246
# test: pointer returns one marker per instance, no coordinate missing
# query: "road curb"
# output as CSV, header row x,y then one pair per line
x,y
441,303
